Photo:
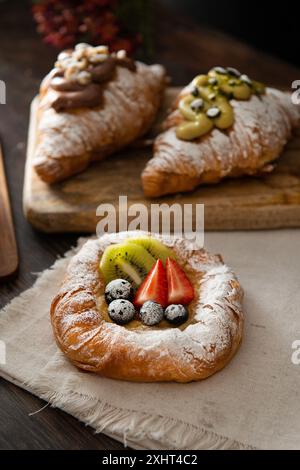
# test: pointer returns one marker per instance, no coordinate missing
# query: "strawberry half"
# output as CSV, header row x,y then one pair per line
x,y
180,290
154,287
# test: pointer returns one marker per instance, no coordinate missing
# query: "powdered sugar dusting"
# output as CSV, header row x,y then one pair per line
x,y
151,313
261,128
197,350
130,103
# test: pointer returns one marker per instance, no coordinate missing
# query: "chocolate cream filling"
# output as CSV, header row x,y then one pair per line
x,y
69,94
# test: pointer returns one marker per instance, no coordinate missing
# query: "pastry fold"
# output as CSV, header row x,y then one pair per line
x,y
261,129
67,142
149,354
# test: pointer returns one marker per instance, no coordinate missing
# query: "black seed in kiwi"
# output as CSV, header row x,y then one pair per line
x,y
128,261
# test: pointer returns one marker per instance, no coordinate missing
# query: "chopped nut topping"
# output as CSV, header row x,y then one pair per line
x,y
81,72
101,50
63,55
84,77
121,54
82,45
97,58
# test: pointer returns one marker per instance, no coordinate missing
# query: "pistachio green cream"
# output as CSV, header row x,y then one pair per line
x,y
208,103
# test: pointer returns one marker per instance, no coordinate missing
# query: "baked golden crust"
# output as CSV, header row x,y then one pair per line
x,y
149,354
262,127
67,142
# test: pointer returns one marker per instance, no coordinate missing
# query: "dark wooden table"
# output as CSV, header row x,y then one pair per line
x,y
185,49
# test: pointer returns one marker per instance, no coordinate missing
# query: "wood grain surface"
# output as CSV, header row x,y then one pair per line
x,y
185,49
8,246
269,201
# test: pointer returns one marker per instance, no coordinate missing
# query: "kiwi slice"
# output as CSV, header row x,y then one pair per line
x,y
126,261
107,265
154,247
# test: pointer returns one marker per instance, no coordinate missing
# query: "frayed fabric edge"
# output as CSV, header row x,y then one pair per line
x,y
134,428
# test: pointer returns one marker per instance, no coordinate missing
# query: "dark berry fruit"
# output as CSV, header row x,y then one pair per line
x,y
197,105
176,314
151,313
213,112
195,91
213,81
220,70
118,289
234,72
121,311
246,79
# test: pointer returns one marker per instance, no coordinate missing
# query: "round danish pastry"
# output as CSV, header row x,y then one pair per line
x,y
182,321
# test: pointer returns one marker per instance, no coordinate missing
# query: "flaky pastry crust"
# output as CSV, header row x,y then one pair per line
x,y
261,129
67,142
149,354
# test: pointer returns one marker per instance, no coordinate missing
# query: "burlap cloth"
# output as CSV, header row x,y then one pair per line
x,y
253,402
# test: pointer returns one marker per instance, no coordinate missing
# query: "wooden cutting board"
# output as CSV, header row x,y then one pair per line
x,y
8,246
271,201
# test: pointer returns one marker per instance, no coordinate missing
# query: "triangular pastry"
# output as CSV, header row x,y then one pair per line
x,y
223,125
90,105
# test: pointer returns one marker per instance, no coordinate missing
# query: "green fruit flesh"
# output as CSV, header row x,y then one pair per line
x,y
128,272
154,247
127,261
107,264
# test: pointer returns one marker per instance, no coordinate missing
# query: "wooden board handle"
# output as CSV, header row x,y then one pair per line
x,y
8,247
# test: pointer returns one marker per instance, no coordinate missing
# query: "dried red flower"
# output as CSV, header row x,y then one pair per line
x,y
65,22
